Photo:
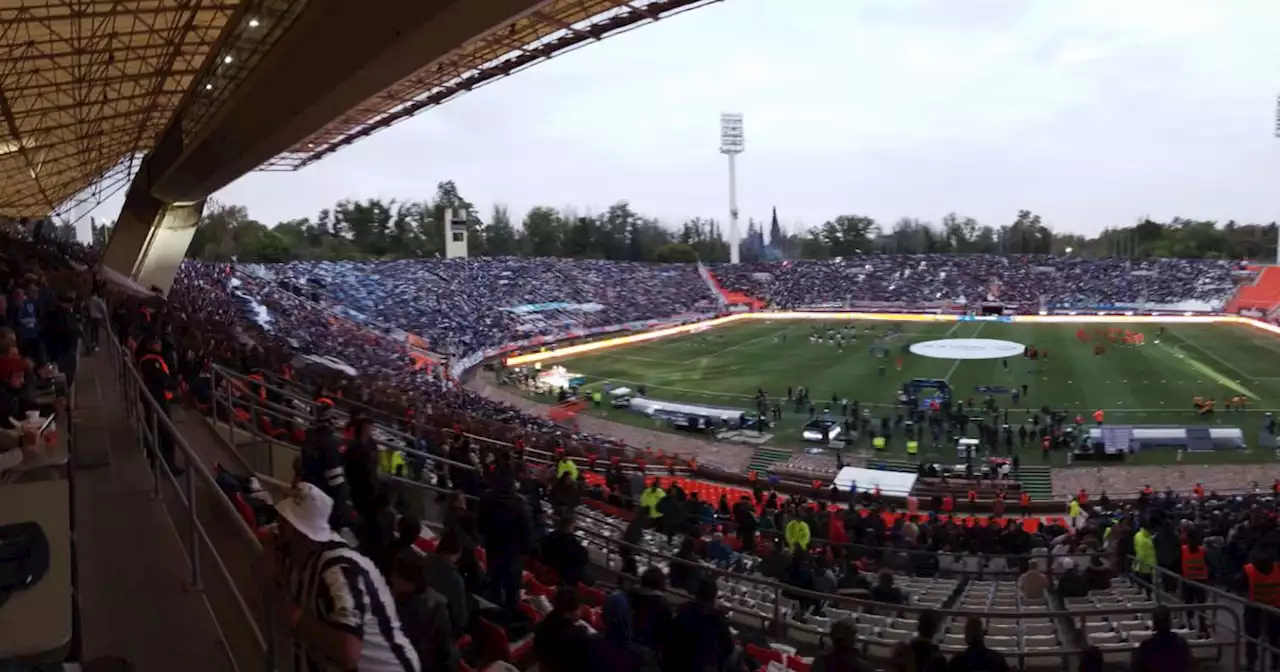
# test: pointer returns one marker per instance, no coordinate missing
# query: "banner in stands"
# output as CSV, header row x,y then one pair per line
x,y
548,307
1178,307
957,306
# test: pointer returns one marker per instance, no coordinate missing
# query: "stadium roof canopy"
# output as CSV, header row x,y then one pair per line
x,y
89,86
554,28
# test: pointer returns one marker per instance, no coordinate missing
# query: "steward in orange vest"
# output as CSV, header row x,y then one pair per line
x,y
1193,564
1264,582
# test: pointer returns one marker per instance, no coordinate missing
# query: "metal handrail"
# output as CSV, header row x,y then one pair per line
x,y
779,625
259,408
612,545
1227,598
223,393
290,389
151,426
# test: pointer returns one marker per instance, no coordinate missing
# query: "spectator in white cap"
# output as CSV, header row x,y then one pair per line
x,y
333,598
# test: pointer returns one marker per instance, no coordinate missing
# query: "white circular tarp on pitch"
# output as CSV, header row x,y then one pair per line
x,y
968,348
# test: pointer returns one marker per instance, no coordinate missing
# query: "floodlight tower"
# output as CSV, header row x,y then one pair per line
x,y
1278,137
731,145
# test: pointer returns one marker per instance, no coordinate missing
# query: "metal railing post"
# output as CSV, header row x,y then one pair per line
x,y
254,433
269,625
150,429
154,435
194,531
777,625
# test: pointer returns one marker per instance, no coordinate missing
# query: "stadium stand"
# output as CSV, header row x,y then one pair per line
x,y
1261,295
483,549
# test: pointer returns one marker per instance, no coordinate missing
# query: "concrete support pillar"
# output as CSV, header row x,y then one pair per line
x,y
151,237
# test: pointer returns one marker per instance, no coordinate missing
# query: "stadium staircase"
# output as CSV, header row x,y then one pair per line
x,y
764,459
1198,440
730,298
1262,295
1036,481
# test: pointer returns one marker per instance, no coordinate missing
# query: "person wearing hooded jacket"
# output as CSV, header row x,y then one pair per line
x,y
634,535
504,522
844,655
1144,554
1168,547
651,613
615,648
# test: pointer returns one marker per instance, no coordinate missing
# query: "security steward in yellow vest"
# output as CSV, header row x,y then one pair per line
x,y
797,534
159,384
650,498
392,462
1263,579
878,443
566,466
913,447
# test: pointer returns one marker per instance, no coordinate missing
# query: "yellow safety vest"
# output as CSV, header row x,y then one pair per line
x,y
567,466
913,447
878,443
391,462
650,498
797,534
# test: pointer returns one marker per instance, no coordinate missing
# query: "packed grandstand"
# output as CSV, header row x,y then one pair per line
x,y
507,539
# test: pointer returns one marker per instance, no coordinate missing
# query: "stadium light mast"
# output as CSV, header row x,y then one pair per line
x,y
1278,137
731,145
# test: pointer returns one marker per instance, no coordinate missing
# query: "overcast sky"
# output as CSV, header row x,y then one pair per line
x,y
1091,113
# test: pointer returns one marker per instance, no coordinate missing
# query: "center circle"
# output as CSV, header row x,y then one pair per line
x,y
967,348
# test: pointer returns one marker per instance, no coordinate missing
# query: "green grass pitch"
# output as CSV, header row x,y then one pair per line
x,y
1148,384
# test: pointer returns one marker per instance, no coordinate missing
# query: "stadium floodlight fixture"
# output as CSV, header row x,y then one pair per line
x,y
254,22
1278,115
731,138
732,143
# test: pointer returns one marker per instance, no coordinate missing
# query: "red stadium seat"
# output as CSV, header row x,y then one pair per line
x,y
764,656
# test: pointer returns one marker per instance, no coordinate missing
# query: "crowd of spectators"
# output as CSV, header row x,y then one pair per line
x,y
1023,280
463,306
218,319
392,605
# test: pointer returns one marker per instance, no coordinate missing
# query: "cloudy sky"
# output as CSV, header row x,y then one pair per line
x,y
1091,113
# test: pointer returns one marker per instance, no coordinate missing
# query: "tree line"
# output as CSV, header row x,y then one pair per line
x,y
376,229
